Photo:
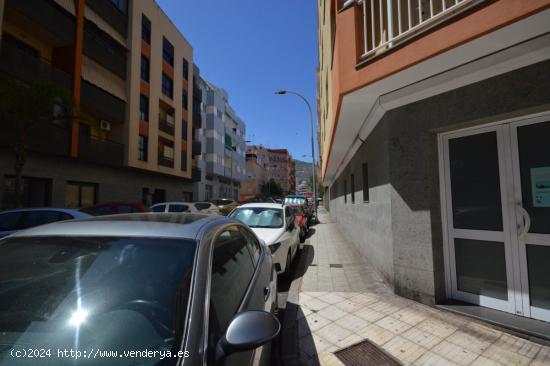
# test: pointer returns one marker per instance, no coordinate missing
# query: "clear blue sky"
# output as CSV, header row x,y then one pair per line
x,y
251,48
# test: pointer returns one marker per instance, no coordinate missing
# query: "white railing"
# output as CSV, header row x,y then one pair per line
x,y
387,23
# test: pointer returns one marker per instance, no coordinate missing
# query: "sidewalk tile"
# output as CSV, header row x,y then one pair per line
x,y
384,307
410,316
436,327
433,359
349,306
404,350
518,345
315,322
333,333
376,334
483,361
332,299
364,299
424,339
348,341
314,304
393,325
369,314
505,357
543,357
475,344
352,322
458,354
332,312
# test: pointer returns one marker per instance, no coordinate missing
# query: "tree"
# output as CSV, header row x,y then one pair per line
x,y
271,188
23,106
320,188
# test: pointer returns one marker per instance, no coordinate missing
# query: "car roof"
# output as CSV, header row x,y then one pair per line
x,y
173,203
168,225
71,211
263,204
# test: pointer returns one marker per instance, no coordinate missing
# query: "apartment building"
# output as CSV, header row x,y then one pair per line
x,y
434,120
128,70
256,173
282,169
224,155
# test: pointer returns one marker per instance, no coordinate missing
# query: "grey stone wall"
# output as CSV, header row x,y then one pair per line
x,y
115,184
400,230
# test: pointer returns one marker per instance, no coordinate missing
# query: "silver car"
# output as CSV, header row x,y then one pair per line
x,y
171,288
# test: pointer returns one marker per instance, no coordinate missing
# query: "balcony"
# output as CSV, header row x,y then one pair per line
x,y
166,161
23,66
196,174
44,138
102,104
389,23
197,120
196,148
166,126
103,49
116,18
101,152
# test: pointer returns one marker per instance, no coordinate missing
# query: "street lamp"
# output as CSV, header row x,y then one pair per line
x,y
281,92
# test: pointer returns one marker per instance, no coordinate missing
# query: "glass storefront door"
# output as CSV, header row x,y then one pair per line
x,y
496,197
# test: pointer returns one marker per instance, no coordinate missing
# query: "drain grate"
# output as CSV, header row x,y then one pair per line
x,y
332,265
365,353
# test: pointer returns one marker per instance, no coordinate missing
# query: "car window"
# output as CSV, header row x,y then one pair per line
x,y
259,217
178,208
232,271
253,245
36,218
202,205
158,208
126,209
98,210
110,286
9,220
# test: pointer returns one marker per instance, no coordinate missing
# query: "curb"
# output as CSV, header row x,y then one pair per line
x,y
290,353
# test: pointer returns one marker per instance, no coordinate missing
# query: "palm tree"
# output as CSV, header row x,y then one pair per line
x,y
23,106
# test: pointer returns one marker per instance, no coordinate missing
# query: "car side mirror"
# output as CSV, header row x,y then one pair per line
x,y
248,330
290,226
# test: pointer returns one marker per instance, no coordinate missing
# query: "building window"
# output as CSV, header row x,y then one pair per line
x,y
208,192
345,191
352,188
121,5
185,69
145,29
144,68
366,182
167,86
80,194
184,99
37,192
143,108
167,52
184,129
184,160
143,146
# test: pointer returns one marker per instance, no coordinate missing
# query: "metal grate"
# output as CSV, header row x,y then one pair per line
x,y
332,265
365,353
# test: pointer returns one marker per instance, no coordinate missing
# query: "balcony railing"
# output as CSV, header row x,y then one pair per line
x,y
387,23
166,126
102,104
166,161
101,151
45,138
196,174
197,120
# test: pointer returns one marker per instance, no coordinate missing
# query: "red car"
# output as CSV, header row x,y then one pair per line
x,y
302,220
111,208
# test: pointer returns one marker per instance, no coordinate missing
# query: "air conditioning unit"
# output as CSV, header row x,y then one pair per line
x,y
105,125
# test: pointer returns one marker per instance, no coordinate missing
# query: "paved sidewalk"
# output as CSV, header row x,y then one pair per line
x,y
343,301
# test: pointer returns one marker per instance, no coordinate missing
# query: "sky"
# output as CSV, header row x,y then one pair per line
x,y
251,48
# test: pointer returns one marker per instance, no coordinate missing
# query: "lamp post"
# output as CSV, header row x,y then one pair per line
x,y
281,92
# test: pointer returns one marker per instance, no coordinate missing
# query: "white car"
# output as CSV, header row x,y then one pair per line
x,y
275,224
191,207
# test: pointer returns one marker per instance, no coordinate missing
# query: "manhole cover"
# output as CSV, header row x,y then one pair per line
x,y
332,265
365,353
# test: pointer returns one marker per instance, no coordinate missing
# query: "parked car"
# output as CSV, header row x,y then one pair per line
x,y
190,207
275,224
302,219
201,285
111,208
225,205
300,200
12,221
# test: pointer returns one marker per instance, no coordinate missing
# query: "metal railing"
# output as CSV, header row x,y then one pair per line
x,y
387,23
101,151
165,126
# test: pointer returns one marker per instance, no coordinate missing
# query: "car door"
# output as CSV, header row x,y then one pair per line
x,y
292,235
238,283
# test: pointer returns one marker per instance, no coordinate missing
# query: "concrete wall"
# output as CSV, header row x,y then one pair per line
x,y
114,184
400,229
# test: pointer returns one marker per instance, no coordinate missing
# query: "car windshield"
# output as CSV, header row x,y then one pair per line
x,y
259,217
295,201
93,293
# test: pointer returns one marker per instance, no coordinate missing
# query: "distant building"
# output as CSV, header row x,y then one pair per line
x,y
281,169
256,173
224,156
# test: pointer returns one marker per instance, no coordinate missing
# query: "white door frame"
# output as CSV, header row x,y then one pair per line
x,y
515,254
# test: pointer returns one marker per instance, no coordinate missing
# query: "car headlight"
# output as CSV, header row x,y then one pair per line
x,y
273,247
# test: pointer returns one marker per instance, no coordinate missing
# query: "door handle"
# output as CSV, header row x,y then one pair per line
x,y
267,292
526,221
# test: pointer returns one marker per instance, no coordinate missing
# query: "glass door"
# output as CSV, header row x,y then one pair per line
x,y
478,223
531,172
